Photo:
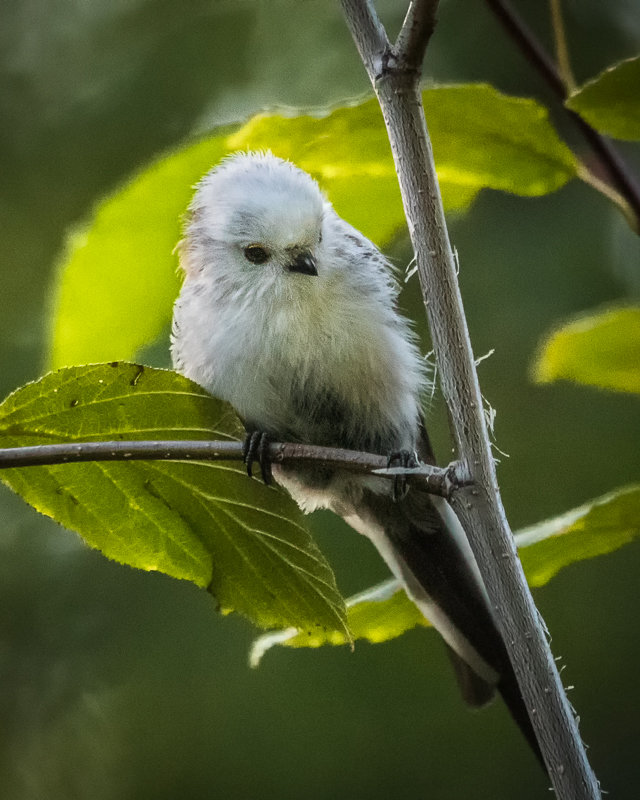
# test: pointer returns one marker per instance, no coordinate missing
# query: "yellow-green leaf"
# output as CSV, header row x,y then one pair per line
x,y
205,522
599,349
117,280
483,138
376,615
385,612
610,102
593,529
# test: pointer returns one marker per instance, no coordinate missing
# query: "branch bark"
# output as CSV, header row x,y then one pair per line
x,y
479,505
437,480
417,28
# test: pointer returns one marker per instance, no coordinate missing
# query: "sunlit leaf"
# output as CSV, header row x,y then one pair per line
x,y
601,349
205,522
483,138
593,529
377,614
385,612
611,102
117,280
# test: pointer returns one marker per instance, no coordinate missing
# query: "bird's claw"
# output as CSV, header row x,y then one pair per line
x,y
256,448
408,460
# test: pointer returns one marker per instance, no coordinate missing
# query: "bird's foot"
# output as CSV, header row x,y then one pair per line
x,y
256,448
408,460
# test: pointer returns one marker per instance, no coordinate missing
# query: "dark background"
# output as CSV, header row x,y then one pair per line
x,y
121,684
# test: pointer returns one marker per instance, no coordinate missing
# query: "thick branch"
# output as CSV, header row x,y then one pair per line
x,y
479,506
613,166
435,479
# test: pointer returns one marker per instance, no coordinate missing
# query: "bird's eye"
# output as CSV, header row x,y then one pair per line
x,y
256,254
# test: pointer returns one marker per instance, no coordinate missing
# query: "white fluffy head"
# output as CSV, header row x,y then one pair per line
x,y
254,200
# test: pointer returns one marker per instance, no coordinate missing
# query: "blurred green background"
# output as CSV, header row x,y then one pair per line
x,y
121,684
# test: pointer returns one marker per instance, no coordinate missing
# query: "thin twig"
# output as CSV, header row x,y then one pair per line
x,y
479,506
615,169
562,49
436,480
417,28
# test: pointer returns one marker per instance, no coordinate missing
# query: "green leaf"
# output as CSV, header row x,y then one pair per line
x,y
205,522
601,349
483,138
117,280
385,612
611,101
348,153
376,615
593,529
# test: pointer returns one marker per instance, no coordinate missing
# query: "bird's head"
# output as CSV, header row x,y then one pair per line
x,y
255,218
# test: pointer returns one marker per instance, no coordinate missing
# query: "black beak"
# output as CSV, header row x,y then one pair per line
x,y
304,263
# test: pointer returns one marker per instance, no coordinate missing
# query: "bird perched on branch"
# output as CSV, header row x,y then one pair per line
x,y
289,313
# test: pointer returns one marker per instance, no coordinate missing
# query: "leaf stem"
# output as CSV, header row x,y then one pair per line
x,y
606,189
562,50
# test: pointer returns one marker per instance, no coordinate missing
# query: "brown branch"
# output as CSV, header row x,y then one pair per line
x,y
616,170
479,505
436,480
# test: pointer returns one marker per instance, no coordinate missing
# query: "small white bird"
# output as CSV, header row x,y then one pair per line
x,y
289,314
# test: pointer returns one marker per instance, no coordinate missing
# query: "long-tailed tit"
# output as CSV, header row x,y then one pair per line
x,y
289,313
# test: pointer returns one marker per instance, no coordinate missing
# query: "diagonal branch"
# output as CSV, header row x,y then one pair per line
x,y
479,505
627,190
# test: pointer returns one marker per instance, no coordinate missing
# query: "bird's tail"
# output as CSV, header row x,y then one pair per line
x,y
423,543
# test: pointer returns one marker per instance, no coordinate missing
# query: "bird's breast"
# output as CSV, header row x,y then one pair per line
x,y
332,376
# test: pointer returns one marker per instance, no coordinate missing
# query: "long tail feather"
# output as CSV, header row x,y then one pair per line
x,y
424,544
